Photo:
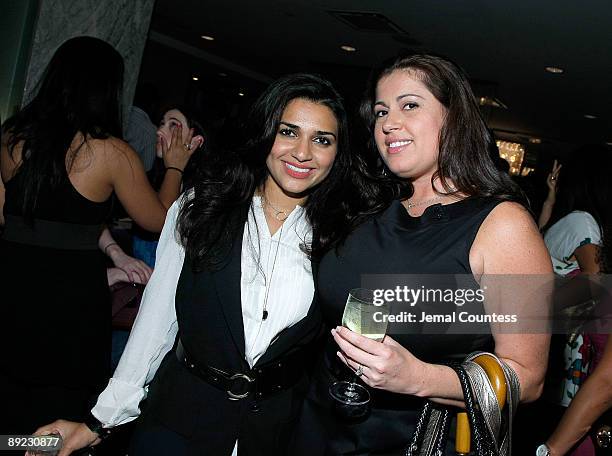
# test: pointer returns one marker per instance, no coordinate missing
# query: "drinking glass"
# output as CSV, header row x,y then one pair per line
x,y
364,317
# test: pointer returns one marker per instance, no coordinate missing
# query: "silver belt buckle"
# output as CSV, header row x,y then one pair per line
x,y
237,396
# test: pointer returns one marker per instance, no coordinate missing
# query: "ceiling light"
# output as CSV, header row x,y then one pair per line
x,y
513,153
195,78
535,140
490,101
348,48
555,70
207,38
590,116
240,94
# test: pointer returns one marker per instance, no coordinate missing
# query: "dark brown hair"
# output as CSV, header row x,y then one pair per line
x,y
464,140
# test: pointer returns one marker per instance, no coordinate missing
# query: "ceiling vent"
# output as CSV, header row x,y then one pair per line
x,y
367,22
406,40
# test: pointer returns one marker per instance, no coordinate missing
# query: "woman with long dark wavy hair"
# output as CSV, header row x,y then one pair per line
x,y
229,318
438,206
61,160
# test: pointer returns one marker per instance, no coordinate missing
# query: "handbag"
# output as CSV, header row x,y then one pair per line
x,y
490,426
125,301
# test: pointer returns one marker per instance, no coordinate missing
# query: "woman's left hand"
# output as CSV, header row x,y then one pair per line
x,y
137,270
386,365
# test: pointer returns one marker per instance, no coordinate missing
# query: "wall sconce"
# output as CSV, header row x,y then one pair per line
x,y
513,153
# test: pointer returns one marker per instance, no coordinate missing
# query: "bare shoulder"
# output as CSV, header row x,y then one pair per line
x,y
509,218
9,159
114,152
111,147
509,242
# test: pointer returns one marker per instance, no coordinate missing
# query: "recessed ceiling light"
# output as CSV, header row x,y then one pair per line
x,y
208,38
240,94
348,48
590,116
535,140
195,78
555,70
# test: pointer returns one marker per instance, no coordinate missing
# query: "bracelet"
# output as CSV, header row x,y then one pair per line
x,y
176,169
97,427
106,248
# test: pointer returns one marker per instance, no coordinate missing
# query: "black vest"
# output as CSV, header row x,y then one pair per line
x,y
209,314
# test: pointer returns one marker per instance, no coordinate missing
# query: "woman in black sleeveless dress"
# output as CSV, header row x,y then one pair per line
x,y
61,160
451,213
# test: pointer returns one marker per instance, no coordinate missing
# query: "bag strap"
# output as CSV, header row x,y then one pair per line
x,y
498,422
481,436
503,437
490,427
431,431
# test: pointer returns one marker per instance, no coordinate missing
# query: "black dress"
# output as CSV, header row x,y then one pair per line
x,y
438,242
55,311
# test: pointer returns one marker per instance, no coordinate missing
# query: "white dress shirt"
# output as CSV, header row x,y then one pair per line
x,y
283,273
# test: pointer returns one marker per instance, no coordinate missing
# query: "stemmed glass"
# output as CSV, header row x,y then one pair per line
x,y
364,317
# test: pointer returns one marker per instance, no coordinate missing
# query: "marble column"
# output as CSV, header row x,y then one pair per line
x,y
122,23
16,28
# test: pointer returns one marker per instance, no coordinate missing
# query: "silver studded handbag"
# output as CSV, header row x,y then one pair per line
x,y
490,424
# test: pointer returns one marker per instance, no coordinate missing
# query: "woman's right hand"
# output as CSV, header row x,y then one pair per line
x,y
179,151
137,271
74,435
551,180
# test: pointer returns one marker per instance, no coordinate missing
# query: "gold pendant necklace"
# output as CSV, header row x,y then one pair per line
x,y
420,203
265,312
279,214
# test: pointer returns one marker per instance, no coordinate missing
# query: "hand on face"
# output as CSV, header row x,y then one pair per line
x,y
174,121
304,149
409,119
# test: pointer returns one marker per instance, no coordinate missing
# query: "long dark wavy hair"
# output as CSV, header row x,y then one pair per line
x,y
218,202
80,92
583,184
465,140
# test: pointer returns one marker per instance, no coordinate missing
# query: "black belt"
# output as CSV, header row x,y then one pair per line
x,y
47,233
261,381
